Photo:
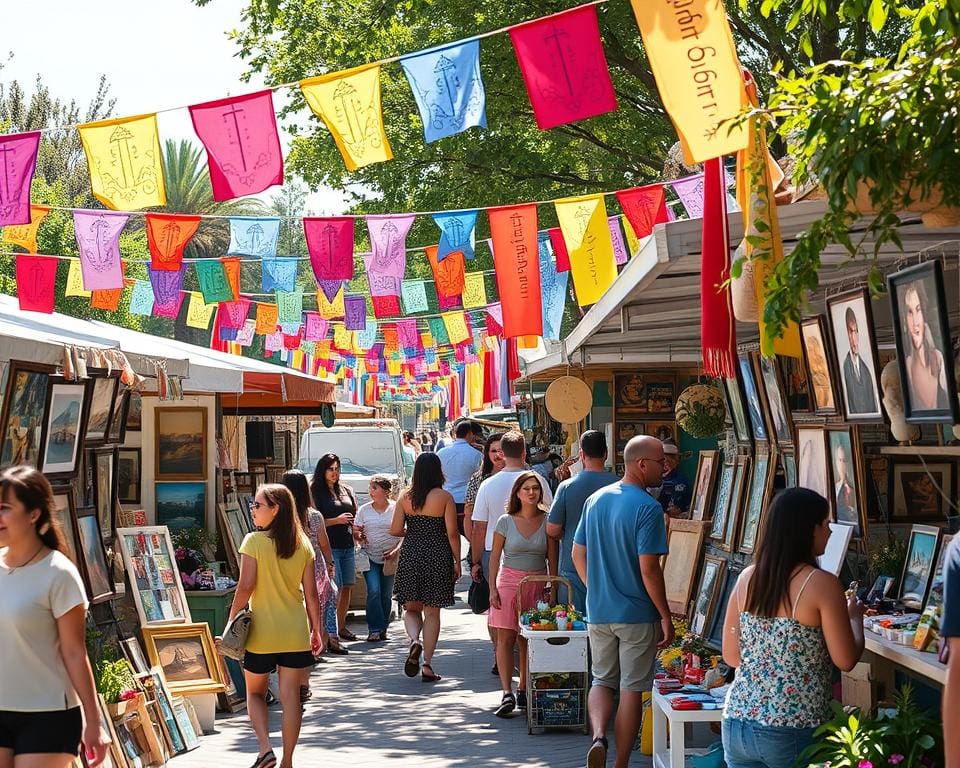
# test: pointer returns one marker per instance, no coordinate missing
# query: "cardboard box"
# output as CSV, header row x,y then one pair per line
x,y
858,687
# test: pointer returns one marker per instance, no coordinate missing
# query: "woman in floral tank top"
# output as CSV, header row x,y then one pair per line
x,y
787,624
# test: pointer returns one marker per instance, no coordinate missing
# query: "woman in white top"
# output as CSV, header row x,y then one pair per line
x,y
48,703
371,528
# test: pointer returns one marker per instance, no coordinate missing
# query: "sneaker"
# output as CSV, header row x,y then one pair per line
x,y
597,754
521,699
507,705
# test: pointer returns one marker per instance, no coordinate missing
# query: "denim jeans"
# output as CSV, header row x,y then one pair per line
x,y
748,744
379,597
345,567
330,614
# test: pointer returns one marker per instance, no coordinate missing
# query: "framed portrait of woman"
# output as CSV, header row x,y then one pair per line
x,y
919,314
812,468
816,349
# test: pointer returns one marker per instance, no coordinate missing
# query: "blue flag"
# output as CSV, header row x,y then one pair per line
x,y
279,274
253,237
456,233
553,286
447,85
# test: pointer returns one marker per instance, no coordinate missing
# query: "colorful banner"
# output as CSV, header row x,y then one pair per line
x,y
564,68
330,288
330,309
583,221
559,249
438,329
199,313
126,167
36,279
19,160
643,207
290,306
25,235
74,285
253,236
694,60
315,327
98,236
413,295
718,328
368,336
348,102
167,237
268,317
456,233
456,325
690,192
141,298
407,333
213,281
242,143
387,260
448,276
620,254
474,290
553,287
448,89
354,313
107,299
513,231
231,268
279,274
233,314
167,291
245,335
330,243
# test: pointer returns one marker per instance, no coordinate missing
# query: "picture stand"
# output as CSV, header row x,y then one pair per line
x,y
205,705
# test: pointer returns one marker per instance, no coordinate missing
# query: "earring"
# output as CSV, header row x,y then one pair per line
x,y
44,528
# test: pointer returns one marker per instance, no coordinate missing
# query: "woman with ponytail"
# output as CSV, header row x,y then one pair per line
x,y
48,702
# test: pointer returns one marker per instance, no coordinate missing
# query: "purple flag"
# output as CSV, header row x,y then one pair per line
x,y
167,291
690,192
387,260
18,160
616,235
98,235
330,288
355,313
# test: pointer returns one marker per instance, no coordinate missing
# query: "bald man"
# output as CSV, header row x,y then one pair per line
x,y
616,551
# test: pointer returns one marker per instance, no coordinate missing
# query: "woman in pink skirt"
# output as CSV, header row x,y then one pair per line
x,y
521,548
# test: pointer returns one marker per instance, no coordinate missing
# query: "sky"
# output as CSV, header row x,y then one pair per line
x,y
156,54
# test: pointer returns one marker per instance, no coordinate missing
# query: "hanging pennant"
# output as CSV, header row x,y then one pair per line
x,y
553,287
407,332
456,325
273,342
718,328
620,254
253,236
342,338
167,291
98,236
290,306
387,260
643,207
513,231
633,244
355,313
474,290
448,89
292,341
233,314
330,243
559,249
231,268
279,274
25,235
36,278
19,153
348,102
413,294
456,233
368,336
690,192
141,298
438,329
199,312
245,335
213,281
583,221
564,69
315,328
694,61
331,309
75,280
267,318
167,237
126,167
448,275
242,143
106,298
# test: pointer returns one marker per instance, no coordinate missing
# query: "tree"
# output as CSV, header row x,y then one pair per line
x,y
289,203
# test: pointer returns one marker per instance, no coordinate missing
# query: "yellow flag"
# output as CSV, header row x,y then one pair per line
x,y
694,61
475,386
297,359
456,326
586,232
75,280
633,242
394,366
342,338
330,310
25,235
198,313
349,103
126,167
474,291
528,342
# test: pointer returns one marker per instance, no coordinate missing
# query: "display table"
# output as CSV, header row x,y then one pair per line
x,y
669,738
887,654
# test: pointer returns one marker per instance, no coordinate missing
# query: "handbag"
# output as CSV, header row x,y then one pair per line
x,y
478,596
234,641
362,560
390,566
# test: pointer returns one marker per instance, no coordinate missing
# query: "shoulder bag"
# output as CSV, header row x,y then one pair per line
x,y
234,640
478,596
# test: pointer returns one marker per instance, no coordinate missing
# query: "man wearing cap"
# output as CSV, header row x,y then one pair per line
x,y
675,492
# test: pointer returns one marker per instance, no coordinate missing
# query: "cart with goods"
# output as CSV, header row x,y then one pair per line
x,y
557,664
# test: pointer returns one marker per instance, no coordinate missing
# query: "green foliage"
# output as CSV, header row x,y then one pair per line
x,y
113,678
887,559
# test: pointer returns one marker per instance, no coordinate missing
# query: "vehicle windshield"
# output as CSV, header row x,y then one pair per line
x,y
361,452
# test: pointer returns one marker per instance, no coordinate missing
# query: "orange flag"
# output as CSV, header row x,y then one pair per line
x,y
25,235
513,231
167,236
447,274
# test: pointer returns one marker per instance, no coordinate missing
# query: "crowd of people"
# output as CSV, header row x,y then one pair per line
x,y
786,626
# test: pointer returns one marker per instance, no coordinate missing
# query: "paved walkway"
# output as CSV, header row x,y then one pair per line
x,y
365,712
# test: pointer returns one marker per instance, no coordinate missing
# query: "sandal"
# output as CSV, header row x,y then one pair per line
x,y
374,637
430,677
346,634
266,760
412,665
337,650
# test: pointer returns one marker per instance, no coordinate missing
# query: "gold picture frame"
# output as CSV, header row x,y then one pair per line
x,y
684,543
187,656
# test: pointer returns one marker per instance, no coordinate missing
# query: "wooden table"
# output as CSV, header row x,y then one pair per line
x,y
669,738
889,654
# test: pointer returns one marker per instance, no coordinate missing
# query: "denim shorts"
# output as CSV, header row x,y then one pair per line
x,y
345,567
748,744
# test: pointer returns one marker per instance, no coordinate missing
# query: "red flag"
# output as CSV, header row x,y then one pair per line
x,y
36,278
718,331
644,207
330,243
513,360
167,236
513,231
386,306
565,71
560,251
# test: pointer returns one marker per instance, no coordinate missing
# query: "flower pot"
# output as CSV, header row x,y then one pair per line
x,y
121,708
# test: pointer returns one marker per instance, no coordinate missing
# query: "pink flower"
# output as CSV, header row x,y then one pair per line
x,y
895,759
865,764
127,695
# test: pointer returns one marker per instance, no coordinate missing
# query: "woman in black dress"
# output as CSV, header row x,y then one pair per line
x,y
426,516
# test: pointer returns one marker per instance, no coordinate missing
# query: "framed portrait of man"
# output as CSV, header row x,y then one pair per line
x,y
847,499
855,355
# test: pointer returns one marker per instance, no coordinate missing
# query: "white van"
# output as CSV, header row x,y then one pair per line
x,y
366,447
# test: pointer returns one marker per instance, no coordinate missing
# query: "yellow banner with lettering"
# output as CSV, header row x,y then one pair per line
x,y
586,233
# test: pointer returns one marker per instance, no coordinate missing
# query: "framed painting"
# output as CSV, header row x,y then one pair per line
x,y
721,502
812,470
701,506
738,414
796,383
835,554
630,392
24,408
935,593
738,494
148,558
128,475
181,505
135,412
715,638
181,443
705,603
64,511
232,534
855,355
921,491
788,460
191,739
158,694
102,404
118,420
99,580
105,488
685,543
662,430
921,329
758,424
627,430
815,348
660,395
772,395
847,497
186,654
134,655
761,491
67,405
918,566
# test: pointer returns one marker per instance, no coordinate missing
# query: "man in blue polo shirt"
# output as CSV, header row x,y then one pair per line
x,y
617,550
459,461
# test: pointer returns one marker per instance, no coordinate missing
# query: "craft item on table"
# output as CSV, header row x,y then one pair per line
x,y
98,236
25,235
250,236
516,261
330,243
125,163
583,221
457,233
167,291
19,151
36,280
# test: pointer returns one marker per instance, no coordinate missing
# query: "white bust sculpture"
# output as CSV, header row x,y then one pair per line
x,y
893,403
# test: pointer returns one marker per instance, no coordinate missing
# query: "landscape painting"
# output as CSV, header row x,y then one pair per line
x,y
101,409
181,443
181,505
64,430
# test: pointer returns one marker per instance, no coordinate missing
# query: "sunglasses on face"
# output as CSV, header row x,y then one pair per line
x,y
259,504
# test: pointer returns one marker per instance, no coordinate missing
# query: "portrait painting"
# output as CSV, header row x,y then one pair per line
x,y
921,328
821,380
718,528
922,491
844,474
754,407
662,430
738,414
94,554
705,603
128,475
703,486
776,400
181,443
63,435
101,407
812,460
181,505
918,566
760,487
855,355
24,406
627,430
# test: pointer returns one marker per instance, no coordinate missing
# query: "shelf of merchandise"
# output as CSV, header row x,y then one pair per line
x,y
918,662
920,450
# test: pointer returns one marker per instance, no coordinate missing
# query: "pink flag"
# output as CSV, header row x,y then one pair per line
x,y
643,207
407,329
690,192
559,249
98,235
18,159
330,242
233,314
565,71
316,327
36,277
243,147
616,237
387,260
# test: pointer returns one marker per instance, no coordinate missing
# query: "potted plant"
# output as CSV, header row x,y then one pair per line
x,y
114,680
